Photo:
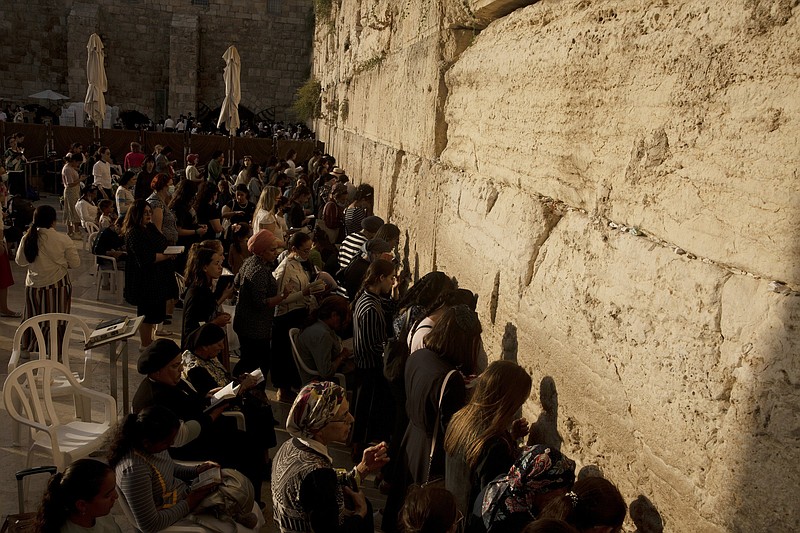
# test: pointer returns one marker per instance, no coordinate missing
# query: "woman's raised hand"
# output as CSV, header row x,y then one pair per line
x,y
519,428
374,458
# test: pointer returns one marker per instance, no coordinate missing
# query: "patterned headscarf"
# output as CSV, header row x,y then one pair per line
x,y
538,470
314,407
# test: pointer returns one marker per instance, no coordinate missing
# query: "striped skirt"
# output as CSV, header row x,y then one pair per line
x,y
55,298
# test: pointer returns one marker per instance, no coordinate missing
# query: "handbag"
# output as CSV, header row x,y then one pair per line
x,y
438,482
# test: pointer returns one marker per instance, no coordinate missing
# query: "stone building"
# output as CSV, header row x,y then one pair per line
x,y
618,179
162,56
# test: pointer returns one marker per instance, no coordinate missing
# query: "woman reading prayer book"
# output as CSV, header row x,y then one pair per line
x,y
201,368
219,439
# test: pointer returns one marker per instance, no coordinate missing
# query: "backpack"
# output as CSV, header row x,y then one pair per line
x,y
232,500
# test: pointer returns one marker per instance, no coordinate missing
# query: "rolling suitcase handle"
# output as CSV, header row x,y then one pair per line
x,y
22,474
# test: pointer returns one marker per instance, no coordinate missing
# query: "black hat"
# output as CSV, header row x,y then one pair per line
x,y
157,356
372,224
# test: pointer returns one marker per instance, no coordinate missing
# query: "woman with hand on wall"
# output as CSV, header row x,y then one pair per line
x,y
481,440
371,329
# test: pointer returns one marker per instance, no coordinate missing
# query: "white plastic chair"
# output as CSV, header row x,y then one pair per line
x,y
294,335
28,398
46,347
110,269
90,227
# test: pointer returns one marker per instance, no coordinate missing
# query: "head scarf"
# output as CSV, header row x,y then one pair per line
x,y
158,355
260,241
314,407
540,469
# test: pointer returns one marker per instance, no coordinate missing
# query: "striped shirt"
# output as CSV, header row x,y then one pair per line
x,y
369,331
352,219
155,488
351,247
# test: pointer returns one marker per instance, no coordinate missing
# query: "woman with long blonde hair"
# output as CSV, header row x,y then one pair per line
x,y
481,439
264,217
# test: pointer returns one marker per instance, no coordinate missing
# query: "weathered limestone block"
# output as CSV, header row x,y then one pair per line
x,y
184,45
676,117
757,441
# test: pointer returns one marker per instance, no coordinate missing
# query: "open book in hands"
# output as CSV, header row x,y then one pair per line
x,y
212,476
231,391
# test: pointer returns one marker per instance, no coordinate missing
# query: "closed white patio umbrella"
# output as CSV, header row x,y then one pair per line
x,y
229,114
95,103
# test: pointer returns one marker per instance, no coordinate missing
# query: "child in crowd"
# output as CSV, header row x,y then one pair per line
x,y
80,500
106,216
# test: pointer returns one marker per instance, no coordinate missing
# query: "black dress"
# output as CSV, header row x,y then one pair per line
x,y
199,305
148,284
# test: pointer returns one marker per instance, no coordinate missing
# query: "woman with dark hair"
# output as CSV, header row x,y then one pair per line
x,y
149,272
430,510
86,206
240,209
434,313
79,500
164,162
189,230
371,329
319,345
48,255
332,220
201,303
205,208
102,172
144,178
293,276
296,217
594,505
163,218
124,195
156,488
435,391
359,209
202,368
481,440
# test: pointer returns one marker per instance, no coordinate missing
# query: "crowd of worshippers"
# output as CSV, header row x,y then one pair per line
x,y
314,281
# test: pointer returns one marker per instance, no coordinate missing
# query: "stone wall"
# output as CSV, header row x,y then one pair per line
x,y
161,56
619,182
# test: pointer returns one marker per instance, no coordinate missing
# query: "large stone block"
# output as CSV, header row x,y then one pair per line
x,y
668,117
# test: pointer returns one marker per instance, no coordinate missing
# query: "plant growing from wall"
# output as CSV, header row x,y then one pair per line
x,y
306,103
323,11
370,63
344,109
333,110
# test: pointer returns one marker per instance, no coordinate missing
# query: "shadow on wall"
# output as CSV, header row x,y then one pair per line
x,y
545,429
